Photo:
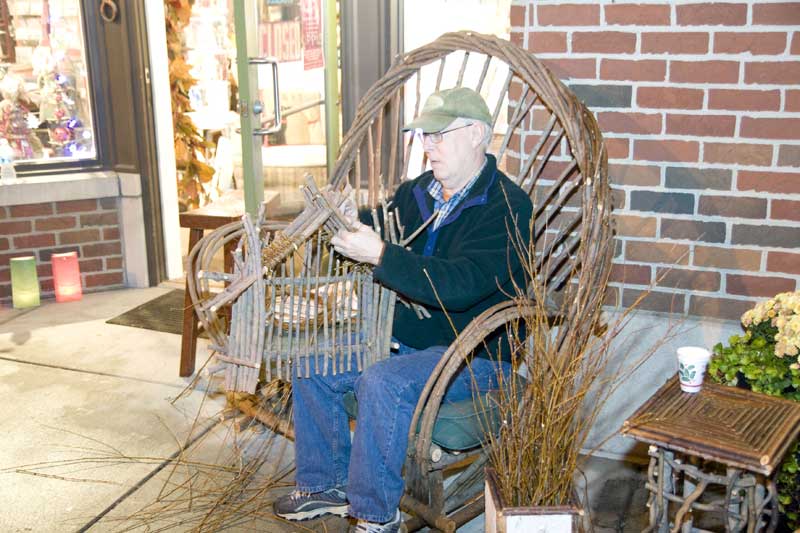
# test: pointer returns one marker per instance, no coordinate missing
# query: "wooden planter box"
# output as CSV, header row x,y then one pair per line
x,y
502,519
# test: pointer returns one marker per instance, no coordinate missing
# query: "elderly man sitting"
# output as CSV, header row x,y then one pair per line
x,y
462,264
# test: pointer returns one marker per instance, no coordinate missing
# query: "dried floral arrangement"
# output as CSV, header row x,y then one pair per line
x,y
190,147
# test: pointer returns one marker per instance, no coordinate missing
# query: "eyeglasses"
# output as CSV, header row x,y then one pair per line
x,y
437,137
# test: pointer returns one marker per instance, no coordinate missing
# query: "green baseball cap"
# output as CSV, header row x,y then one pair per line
x,y
444,107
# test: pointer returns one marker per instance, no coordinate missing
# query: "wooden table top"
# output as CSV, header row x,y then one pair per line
x,y
733,426
227,208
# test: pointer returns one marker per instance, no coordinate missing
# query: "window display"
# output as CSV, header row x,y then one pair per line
x,y
45,112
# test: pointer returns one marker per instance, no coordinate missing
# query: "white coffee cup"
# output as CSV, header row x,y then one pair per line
x,y
692,363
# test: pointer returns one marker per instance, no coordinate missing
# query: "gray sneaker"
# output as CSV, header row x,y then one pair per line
x,y
301,505
393,526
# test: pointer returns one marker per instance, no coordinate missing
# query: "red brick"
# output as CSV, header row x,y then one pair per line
x,y
622,122
674,43
31,210
783,262
670,98
738,153
770,128
3,213
617,148
711,14
726,308
633,226
46,286
79,236
15,227
542,42
104,279
518,38
733,206
744,100
91,265
658,150
73,206
792,101
101,249
789,156
665,302
44,270
4,245
701,125
787,13
692,230
604,42
113,263
657,252
623,69
630,274
727,258
785,210
756,43
704,71
757,285
568,15
572,68
617,199
773,72
795,50
696,280
5,275
110,233
55,223
517,16
762,181
37,240
611,297
641,175
637,14
99,219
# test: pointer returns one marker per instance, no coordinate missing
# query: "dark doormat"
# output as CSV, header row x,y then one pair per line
x,y
164,313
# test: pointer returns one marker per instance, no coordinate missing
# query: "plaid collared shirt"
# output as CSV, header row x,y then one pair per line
x,y
444,208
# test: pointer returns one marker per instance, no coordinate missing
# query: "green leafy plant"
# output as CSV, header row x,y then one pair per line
x,y
765,359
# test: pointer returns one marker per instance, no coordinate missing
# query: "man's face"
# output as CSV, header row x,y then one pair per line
x,y
452,160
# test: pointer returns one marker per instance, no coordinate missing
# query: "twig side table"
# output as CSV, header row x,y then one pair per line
x,y
744,432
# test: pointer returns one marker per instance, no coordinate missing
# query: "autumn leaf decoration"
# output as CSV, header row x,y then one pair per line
x,y
190,147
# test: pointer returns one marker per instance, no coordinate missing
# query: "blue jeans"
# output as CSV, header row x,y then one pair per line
x,y
370,469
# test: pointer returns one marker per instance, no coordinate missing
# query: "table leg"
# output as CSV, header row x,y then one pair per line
x,y
189,335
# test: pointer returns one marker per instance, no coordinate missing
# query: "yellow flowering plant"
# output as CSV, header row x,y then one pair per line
x,y
766,359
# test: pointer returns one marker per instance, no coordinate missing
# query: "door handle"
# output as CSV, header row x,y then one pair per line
x,y
276,127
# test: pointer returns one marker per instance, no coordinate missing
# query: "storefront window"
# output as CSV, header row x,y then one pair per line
x,y
45,111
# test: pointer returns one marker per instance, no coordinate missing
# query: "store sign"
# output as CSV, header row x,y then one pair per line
x,y
312,34
281,40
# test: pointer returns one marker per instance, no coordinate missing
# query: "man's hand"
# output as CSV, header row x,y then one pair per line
x,y
362,245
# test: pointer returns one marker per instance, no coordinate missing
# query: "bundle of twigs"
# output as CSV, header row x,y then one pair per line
x,y
563,377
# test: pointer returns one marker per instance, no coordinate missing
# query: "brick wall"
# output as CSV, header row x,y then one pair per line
x,y
700,107
90,227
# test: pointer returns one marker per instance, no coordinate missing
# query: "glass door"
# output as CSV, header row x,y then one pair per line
x,y
288,97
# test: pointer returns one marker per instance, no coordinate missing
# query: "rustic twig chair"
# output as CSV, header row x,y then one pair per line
x,y
292,297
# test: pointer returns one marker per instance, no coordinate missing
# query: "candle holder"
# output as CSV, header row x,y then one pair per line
x,y
24,282
66,277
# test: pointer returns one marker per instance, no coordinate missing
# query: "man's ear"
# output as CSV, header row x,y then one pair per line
x,y
477,134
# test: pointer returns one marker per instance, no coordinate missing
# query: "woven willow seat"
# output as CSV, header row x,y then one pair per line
x,y
546,141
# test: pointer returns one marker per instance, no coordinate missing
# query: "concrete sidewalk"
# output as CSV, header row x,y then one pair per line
x,y
89,433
